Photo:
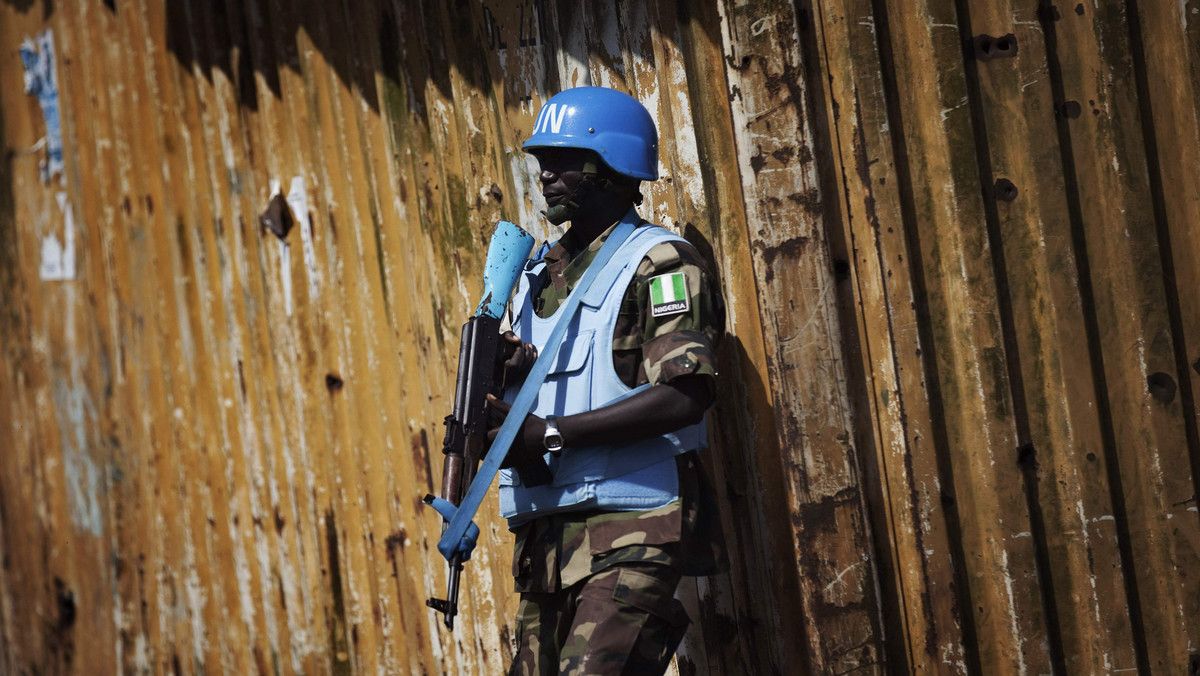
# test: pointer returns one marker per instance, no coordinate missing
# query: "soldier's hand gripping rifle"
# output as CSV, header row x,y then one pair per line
x,y
480,372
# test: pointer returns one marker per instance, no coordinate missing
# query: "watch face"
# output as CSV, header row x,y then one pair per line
x,y
552,439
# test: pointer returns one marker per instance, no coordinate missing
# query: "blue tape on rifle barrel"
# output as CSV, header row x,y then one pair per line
x,y
506,257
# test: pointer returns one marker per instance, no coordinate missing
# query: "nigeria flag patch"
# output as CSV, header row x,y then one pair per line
x,y
668,294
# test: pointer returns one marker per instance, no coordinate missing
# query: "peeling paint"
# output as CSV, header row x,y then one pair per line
x,y
80,472
298,202
58,259
285,276
41,80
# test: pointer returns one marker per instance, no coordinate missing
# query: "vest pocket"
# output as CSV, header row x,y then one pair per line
x,y
568,386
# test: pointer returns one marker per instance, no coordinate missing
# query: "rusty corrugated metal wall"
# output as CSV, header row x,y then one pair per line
x,y
957,430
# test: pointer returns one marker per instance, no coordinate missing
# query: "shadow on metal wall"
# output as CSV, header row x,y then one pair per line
x,y
10,318
241,39
25,5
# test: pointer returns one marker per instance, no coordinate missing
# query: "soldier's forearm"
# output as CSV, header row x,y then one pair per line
x,y
657,410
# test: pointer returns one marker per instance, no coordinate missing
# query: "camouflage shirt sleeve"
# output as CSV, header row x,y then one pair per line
x,y
656,340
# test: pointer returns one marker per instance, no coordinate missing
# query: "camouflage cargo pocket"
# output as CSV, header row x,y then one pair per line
x,y
627,621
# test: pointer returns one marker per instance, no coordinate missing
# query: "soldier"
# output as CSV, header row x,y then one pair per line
x,y
600,549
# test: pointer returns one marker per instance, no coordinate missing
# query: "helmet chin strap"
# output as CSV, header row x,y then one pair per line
x,y
569,207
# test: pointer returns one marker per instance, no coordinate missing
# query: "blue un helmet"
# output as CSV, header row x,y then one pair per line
x,y
610,123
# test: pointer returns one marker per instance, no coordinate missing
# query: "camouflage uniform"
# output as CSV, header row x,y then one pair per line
x,y
597,587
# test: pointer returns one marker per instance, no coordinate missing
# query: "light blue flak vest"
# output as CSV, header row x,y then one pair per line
x,y
641,475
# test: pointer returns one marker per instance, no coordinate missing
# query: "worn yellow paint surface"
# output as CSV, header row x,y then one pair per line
x,y
957,426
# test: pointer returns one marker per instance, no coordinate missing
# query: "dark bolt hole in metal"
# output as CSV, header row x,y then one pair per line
x,y
987,47
1005,191
1070,109
277,217
1162,387
333,382
841,269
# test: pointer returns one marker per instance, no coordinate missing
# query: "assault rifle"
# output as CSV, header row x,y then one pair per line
x,y
480,372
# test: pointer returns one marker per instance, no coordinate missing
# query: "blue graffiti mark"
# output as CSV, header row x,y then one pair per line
x,y
41,80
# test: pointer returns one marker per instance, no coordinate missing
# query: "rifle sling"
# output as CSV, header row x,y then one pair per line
x,y
527,396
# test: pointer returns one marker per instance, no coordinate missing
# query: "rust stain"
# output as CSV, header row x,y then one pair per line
x,y
419,443
810,200
788,250
397,540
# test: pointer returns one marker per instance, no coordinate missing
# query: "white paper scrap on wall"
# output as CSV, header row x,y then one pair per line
x,y
58,257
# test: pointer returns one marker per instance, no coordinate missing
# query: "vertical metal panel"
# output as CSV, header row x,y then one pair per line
x,y
965,355
1166,40
774,137
743,459
910,517
1134,336
1054,410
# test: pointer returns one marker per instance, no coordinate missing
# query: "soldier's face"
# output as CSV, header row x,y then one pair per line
x,y
562,171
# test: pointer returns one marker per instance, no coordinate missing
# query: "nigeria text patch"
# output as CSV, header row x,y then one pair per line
x,y
668,294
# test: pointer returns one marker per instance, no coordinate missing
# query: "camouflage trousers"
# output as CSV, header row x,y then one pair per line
x,y
622,620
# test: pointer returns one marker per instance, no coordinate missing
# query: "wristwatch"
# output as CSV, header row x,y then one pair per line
x,y
553,439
